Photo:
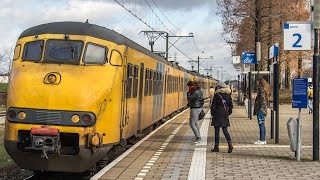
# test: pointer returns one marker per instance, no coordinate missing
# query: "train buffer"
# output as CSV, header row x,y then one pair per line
x,y
169,152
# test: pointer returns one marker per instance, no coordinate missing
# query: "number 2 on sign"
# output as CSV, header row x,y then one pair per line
x,y
296,44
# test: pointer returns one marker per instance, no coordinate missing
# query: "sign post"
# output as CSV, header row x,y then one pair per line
x,y
315,114
299,100
297,36
274,75
249,58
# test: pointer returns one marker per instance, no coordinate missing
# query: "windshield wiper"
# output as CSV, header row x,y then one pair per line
x,y
73,49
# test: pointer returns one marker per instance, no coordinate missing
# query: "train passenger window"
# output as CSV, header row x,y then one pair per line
x,y
158,83
146,82
95,54
63,51
174,84
33,51
129,81
135,81
150,82
181,84
177,84
169,84
154,82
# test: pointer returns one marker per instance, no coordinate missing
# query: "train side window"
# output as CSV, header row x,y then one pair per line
x,y
135,81
17,50
33,51
161,83
181,84
129,81
154,82
174,84
150,82
177,84
158,83
146,82
95,54
169,83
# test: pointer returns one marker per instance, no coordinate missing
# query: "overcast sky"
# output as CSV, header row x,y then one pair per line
x,y
196,16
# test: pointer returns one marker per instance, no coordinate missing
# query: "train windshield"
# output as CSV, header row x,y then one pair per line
x,y
63,51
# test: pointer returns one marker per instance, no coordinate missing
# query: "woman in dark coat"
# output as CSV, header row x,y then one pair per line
x,y
221,108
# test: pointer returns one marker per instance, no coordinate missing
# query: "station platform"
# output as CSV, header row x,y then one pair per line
x,y
170,153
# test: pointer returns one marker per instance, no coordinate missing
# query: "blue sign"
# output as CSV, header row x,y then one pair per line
x,y
249,58
300,93
274,50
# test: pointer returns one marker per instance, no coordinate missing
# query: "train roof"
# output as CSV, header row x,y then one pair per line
x,y
87,29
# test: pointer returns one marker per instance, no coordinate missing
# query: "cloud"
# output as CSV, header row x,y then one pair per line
x,y
196,16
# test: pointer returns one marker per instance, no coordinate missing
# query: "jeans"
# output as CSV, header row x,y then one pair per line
x,y
262,127
193,122
310,104
217,135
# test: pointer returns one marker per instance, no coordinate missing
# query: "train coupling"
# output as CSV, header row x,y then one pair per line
x,y
45,139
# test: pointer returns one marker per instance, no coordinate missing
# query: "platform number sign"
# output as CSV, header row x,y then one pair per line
x,y
297,36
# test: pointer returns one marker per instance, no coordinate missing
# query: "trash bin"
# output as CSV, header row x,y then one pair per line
x,y
292,126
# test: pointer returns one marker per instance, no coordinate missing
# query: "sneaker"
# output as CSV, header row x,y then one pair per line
x,y
197,141
260,142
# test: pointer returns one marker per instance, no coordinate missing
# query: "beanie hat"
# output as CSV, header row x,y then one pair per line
x,y
221,85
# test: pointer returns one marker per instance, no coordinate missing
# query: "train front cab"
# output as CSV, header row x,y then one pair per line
x,y
81,101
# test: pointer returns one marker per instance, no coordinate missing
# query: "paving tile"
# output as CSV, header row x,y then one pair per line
x,y
247,161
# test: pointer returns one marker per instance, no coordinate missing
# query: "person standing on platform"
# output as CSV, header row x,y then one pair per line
x,y
221,108
195,102
310,98
260,108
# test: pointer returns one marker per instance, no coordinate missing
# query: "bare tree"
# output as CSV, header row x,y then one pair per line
x,y
5,61
250,21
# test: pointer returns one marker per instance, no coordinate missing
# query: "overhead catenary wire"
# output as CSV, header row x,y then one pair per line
x,y
158,17
144,22
166,17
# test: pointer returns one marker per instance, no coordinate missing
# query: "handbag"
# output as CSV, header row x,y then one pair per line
x,y
202,114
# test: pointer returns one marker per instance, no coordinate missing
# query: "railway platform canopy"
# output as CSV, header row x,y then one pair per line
x,y
169,152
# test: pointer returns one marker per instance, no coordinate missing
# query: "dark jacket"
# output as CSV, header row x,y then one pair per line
x,y
195,99
220,116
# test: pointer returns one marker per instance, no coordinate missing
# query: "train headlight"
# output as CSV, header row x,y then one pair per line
x,y
86,119
11,114
75,118
52,78
22,115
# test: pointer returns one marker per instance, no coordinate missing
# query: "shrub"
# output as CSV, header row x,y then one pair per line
x,y
3,87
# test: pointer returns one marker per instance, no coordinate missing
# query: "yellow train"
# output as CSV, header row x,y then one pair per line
x,y
78,89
